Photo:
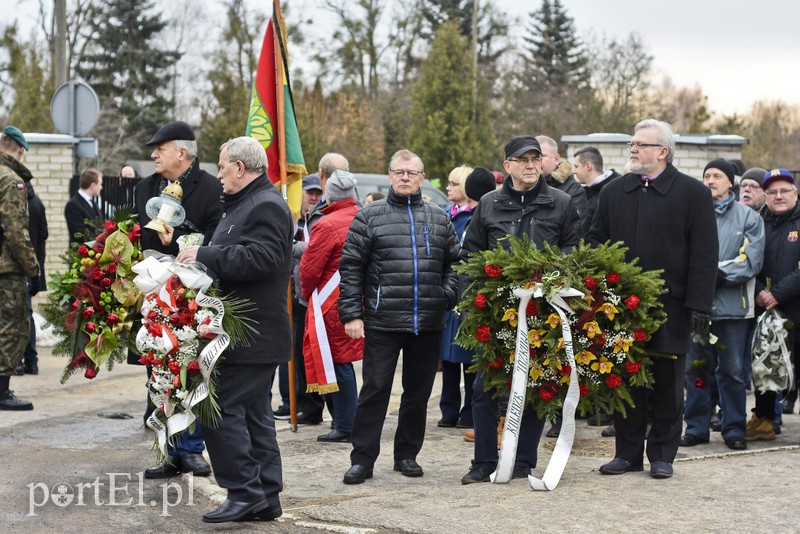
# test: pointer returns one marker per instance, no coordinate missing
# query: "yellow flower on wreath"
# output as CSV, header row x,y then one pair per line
x,y
623,344
592,329
560,344
536,371
554,320
603,366
608,309
535,337
585,357
511,317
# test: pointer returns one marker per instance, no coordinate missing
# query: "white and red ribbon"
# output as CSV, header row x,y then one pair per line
x,y
324,379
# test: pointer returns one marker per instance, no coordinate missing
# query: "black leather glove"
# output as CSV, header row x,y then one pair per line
x,y
699,325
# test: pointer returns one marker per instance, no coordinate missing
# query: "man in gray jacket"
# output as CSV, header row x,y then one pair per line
x,y
741,254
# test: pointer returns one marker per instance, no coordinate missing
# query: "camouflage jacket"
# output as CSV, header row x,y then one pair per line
x,y
17,254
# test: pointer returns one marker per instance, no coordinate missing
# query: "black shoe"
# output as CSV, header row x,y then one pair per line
x,y
170,467
716,423
357,474
775,426
267,514
335,436
787,406
282,413
234,511
520,472
604,419
660,469
305,418
408,467
31,369
689,440
444,422
736,443
464,423
9,401
555,430
609,432
195,464
478,473
19,370
618,466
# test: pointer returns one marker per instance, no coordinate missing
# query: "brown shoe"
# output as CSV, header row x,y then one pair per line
x,y
469,436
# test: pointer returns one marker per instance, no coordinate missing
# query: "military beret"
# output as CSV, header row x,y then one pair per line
x,y
174,131
16,134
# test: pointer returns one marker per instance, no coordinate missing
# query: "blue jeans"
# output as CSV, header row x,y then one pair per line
x,y
450,401
485,417
727,360
30,356
344,400
283,383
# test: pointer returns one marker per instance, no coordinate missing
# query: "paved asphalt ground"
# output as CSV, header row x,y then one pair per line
x,y
75,436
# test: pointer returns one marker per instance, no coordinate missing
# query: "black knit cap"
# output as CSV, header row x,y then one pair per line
x,y
174,131
722,165
479,182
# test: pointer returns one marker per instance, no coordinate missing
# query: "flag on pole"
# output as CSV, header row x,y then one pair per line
x,y
272,120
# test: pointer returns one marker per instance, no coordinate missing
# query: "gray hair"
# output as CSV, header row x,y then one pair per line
x,y
664,135
247,150
406,154
190,146
333,161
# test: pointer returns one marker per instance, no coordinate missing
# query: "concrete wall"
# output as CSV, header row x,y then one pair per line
x,y
50,162
692,152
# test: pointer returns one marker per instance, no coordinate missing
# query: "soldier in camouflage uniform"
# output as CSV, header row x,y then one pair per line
x,y
17,263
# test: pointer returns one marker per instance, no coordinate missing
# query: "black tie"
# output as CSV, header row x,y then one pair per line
x,y
96,208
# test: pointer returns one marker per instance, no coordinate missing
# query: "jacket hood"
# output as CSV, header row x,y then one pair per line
x,y
562,172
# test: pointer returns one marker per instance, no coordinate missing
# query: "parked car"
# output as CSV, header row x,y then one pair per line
x,y
368,183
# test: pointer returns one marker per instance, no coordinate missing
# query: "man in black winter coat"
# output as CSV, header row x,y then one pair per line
x,y
666,220
250,253
588,170
525,206
558,175
397,282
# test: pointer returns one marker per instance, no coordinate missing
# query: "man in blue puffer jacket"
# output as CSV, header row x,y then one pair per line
x,y
396,284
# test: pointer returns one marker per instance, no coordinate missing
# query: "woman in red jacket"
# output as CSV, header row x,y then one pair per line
x,y
327,350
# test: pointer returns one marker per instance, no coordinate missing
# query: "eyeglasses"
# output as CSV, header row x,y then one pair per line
x,y
781,192
640,146
749,185
402,172
527,161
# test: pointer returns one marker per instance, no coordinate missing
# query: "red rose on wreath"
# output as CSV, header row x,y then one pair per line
x,y
91,327
613,277
88,312
632,302
174,367
583,389
590,282
83,251
639,335
111,268
547,392
480,301
699,382
492,270
97,275
613,381
633,367
110,226
531,309
90,373
565,370
496,364
193,367
600,340
482,333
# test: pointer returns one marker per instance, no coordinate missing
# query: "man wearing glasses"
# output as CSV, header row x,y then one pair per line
x,y
781,260
525,206
397,282
751,194
666,220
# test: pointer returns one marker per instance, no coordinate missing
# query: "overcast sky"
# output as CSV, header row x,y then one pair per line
x,y
737,51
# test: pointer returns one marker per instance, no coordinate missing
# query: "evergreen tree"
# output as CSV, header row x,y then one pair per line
x,y
450,123
30,83
554,55
131,76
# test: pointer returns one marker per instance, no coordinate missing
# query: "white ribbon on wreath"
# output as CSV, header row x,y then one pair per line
x,y
772,359
152,275
519,383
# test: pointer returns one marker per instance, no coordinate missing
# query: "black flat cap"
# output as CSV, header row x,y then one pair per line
x,y
519,145
174,131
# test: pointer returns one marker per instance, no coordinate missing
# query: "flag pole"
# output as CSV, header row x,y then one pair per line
x,y
281,133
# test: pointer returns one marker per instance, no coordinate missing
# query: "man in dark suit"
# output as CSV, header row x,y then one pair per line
x,y
175,154
255,238
666,220
82,210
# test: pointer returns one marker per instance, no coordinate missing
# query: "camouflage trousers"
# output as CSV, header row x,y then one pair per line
x,y
14,321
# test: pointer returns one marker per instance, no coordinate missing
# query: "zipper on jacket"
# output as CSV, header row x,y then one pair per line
x,y
416,273
378,298
427,241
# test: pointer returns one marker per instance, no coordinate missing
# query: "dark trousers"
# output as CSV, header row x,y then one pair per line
x,y
450,402
243,447
485,417
666,399
420,360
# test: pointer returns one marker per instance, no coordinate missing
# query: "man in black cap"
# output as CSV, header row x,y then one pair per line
x,y
525,206
175,154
